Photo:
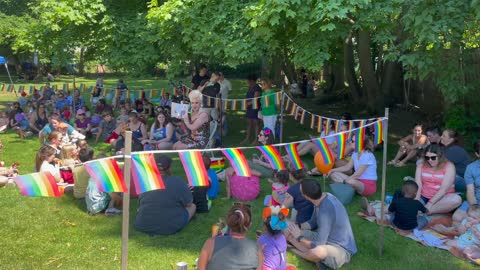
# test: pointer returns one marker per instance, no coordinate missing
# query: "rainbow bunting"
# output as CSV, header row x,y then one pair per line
x,y
359,139
342,139
337,125
325,150
152,93
90,90
32,88
40,184
362,123
10,88
278,98
243,105
255,103
238,161
319,124
234,105
3,87
194,168
107,175
273,157
327,126
350,125
266,100
287,103
21,88
117,93
105,92
128,95
302,117
294,156
225,105
55,88
312,122
65,87
217,164
378,136
145,174
294,109
163,92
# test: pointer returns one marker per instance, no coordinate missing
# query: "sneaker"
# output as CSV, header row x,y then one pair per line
x,y
111,211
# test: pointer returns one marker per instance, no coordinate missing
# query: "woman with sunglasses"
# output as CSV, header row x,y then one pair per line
x,y
435,178
234,251
364,178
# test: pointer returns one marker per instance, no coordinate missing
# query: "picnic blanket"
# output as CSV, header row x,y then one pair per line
x,y
427,236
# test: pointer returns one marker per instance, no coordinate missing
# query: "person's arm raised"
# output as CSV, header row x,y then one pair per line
x,y
201,119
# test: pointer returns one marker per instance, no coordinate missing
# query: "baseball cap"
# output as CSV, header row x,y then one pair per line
x,y
163,162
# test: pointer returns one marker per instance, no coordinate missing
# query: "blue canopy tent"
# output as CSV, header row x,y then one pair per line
x,y
3,61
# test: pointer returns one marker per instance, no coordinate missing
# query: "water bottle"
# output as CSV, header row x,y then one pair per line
x,y
388,198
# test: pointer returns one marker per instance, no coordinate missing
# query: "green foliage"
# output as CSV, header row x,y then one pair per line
x,y
457,119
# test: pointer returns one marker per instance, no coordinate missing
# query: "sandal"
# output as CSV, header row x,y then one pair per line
x,y
392,162
399,164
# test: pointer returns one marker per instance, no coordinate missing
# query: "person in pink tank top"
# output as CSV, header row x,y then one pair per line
x,y
435,177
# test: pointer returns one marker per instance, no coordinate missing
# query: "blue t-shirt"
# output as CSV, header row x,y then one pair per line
x,y
47,129
304,208
214,186
472,177
61,103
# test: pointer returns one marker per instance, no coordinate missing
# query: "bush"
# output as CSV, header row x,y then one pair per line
x,y
457,119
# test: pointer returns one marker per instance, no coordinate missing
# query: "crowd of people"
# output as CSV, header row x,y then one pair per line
x,y
318,228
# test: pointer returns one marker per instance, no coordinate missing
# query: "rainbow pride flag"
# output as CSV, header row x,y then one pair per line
x,y
325,150
107,175
359,139
194,168
342,139
217,164
40,184
378,136
294,156
238,161
273,157
145,173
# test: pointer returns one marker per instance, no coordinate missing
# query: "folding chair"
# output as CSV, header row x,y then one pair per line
x,y
211,138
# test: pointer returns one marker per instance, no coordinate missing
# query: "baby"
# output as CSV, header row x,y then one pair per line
x,y
469,240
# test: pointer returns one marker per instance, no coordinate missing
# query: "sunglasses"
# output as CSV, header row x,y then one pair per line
x,y
430,157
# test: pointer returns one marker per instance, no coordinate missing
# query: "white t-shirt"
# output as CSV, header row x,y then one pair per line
x,y
330,140
367,158
225,87
47,167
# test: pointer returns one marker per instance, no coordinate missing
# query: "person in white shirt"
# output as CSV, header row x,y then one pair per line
x,y
225,85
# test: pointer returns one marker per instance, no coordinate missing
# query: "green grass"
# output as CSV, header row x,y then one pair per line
x,y
51,233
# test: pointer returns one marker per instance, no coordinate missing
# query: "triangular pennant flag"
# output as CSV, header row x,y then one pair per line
x,y
145,173
107,175
234,105
325,150
40,184
359,139
378,132
237,161
312,121
302,117
194,168
326,126
273,157
65,87
319,124
342,139
337,124
294,156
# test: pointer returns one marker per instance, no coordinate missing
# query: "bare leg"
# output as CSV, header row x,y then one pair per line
x,y
338,177
308,148
355,184
399,154
191,209
179,146
256,124
410,155
164,146
229,172
447,204
458,216
340,163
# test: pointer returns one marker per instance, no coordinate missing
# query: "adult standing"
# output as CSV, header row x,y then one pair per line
x,y
254,91
327,238
234,251
472,181
225,85
199,77
210,91
165,211
457,155
435,177
269,108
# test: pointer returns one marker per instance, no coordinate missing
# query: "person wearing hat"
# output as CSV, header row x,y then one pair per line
x,y
165,211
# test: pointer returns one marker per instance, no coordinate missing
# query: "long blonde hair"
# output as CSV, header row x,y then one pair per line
x,y
67,151
43,154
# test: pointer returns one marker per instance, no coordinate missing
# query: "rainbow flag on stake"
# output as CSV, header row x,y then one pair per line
x,y
294,156
378,136
273,157
145,174
194,168
359,139
342,139
325,150
238,161
38,184
107,175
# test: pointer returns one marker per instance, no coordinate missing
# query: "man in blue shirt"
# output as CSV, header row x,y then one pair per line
x,y
327,238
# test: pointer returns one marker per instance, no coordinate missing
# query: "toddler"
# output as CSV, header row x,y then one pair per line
x,y
404,209
468,241
273,240
279,188
69,156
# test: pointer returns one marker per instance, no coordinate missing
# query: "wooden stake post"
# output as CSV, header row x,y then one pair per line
x,y
384,175
126,199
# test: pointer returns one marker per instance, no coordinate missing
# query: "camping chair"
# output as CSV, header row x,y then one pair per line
x,y
211,138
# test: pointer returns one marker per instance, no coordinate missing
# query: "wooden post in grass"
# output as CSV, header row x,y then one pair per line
x,y
282,100
126,199
384,175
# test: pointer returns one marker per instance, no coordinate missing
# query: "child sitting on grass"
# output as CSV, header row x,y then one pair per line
x,y
279,188
404,209
295,199
468,242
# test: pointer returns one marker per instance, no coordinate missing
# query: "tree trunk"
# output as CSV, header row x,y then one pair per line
x,y
349,62
392,82
81,62
370,83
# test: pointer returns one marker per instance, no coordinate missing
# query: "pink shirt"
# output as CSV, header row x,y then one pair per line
x,y
432,181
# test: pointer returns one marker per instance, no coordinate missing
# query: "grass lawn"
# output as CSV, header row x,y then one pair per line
x,y
57,233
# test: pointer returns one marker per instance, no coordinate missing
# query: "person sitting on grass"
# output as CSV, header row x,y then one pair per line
x,y
295,199
410,146
162,132
280,186
364,179
261,164
54,124
233,251
44,162
80,174
468,242
457,155
435,177
106,128
165,211
273,240
327,238
404,209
